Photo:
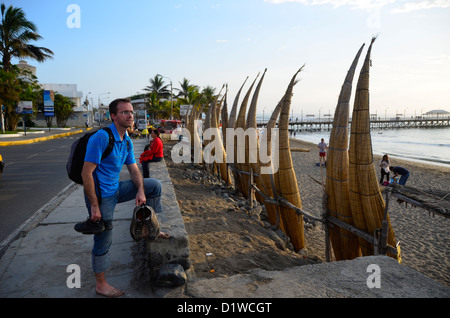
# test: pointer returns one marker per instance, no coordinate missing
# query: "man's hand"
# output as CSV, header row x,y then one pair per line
x,y
89,189
95,213
136,177
140,198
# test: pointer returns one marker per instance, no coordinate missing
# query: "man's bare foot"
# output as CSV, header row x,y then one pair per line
x,y
163,235
110,292
105,289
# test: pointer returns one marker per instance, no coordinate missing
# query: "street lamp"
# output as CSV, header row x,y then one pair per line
x,y
171,95
89,112
99,101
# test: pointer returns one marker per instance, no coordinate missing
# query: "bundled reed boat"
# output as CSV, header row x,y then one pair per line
x,y
367,203
252,142
285,178
267,187
345,244
239,148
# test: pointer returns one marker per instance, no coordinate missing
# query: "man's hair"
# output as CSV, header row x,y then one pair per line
x,y
114,103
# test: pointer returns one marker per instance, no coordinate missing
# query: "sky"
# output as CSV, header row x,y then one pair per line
x,y
116,46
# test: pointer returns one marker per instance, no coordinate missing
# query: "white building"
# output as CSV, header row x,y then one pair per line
x,y
80,115
23,65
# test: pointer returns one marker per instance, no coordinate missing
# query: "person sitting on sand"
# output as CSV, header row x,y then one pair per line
x,y
402,172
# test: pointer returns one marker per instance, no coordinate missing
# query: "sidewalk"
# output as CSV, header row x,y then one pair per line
x,y
36,264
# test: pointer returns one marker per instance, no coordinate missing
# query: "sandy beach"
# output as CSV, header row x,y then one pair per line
x,y
226,237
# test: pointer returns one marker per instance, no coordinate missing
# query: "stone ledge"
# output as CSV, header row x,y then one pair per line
x,y
343,279
161,251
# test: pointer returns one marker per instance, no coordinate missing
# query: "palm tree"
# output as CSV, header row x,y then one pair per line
x,y
9,93
208,93
156,108
190,95
15,34
186,88
157,86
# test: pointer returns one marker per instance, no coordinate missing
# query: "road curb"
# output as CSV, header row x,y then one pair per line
x,y
30,141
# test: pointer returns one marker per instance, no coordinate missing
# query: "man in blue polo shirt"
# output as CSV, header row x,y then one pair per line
x,y
402,172
106,173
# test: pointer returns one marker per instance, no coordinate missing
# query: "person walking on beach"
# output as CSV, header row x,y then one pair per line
x,y
402,172
322,151
101,181
385,164
152,152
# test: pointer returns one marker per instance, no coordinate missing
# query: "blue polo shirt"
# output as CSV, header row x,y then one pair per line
x,y
108,169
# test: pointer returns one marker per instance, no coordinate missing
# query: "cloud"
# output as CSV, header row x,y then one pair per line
x,y
355,4
402,5
442,61
421,5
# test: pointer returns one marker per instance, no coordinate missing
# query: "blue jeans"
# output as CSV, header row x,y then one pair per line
x,y
127,191
403,179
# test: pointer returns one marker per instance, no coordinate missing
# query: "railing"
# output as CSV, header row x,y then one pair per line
x,y
375,123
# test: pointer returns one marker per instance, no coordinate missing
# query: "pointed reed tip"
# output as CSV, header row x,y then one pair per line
x,y
299,70
374,37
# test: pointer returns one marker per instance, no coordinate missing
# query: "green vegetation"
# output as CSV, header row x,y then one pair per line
x,y
158,97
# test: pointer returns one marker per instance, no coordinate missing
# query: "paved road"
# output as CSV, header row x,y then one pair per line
x,y
33,175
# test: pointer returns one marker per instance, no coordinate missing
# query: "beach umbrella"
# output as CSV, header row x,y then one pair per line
x,y
367,203
345,244
286,180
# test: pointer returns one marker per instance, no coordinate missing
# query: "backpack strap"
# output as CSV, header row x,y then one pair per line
x,y
105,154
110,146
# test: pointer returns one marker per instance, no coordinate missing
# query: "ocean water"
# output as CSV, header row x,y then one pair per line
x,y
426,145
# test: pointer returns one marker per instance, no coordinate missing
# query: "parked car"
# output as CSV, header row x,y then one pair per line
x,y
141,124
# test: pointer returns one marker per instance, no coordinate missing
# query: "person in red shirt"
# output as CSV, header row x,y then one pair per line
x,y
152,153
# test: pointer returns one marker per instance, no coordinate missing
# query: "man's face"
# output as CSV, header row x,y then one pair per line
x,y
124,116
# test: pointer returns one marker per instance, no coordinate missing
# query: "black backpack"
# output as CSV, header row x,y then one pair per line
x,y
75,162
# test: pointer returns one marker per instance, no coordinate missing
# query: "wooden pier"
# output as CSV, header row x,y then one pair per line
x,y
375,123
